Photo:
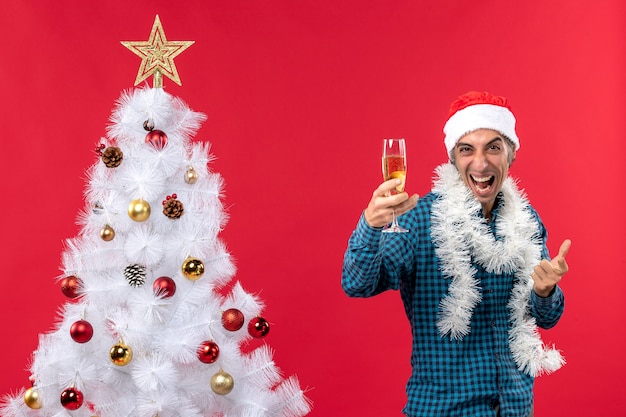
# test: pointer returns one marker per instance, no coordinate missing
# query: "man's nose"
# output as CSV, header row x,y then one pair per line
x,y
480,160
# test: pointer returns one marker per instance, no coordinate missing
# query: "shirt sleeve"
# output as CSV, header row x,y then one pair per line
x,y
362,274
547,310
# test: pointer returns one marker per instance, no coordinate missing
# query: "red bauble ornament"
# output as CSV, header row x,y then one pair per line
x,y
164,287
70,286
258,327
81,331
232,319
157,138
72,398
208,352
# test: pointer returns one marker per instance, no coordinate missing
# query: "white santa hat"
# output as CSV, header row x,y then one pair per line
x,y
475,110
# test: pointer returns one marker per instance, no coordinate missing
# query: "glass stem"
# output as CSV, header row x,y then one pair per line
x,y
394,219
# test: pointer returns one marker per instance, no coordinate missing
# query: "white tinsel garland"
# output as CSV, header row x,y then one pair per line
x,y
460,236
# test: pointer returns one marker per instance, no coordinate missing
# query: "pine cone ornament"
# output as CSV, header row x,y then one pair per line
x,y
148,125
112,157
172,207
135,275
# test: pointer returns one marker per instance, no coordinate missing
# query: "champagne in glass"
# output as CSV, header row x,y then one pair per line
x,y
394,167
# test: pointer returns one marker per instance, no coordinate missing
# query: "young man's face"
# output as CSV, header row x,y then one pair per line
x,y
482,158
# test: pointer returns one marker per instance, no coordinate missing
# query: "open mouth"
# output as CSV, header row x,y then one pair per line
x,y
483,184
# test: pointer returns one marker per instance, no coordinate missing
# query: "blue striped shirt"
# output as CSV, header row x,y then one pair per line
x,y
449,378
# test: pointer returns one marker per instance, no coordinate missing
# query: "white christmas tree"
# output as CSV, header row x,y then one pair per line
x,y
154,325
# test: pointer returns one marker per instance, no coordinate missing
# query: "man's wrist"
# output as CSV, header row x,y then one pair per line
x,y
545,293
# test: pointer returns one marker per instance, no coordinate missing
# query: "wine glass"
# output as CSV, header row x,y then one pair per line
x,y
394,166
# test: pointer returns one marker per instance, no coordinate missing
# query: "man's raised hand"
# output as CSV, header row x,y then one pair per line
x,y
548,273
379,211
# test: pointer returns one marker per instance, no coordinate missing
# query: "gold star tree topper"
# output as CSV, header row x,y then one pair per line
x,y
157,55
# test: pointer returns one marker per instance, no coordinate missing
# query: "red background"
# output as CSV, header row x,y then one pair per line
x,y
298,96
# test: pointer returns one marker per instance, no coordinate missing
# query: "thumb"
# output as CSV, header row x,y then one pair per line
x,y
564,248
561,267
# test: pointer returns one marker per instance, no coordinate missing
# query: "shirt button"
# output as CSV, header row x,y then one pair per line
x,y
497,355
493,323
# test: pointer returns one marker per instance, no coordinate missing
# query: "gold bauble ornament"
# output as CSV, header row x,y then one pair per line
x,y
139,210
222,383
32,399
193,268
107,233
191,176
121,354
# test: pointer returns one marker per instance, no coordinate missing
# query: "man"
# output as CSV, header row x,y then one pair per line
x,y
473,272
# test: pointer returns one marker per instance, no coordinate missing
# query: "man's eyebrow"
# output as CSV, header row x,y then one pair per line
x,y
492,141
461,143
496,139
